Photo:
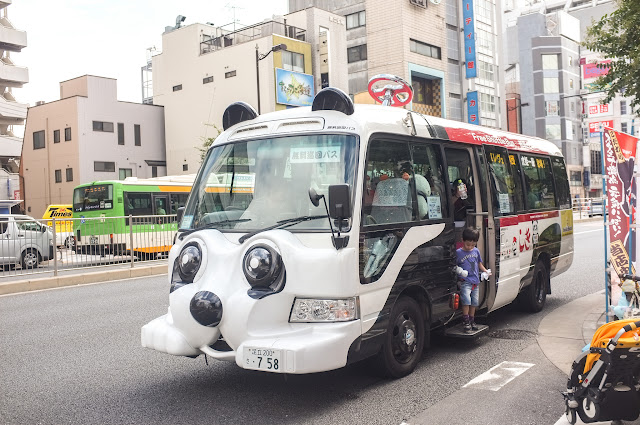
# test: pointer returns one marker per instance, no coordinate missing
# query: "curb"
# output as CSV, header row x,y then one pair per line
x,y
80,279
564,332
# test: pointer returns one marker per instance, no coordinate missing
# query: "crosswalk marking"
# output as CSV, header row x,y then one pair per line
x,y
498,376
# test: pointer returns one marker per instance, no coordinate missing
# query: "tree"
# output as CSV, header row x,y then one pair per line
x,y
617,37
208,141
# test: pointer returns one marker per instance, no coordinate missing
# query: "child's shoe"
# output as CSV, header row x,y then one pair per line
x,y
466,325
474,327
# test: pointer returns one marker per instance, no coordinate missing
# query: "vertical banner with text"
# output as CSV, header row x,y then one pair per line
x,y
472,108
619,150
471,65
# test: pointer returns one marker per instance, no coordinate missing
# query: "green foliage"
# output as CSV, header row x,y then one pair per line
x,y
208,141
617,37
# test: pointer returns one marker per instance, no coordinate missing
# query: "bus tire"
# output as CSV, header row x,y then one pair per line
x,y
30,259
404,340
535,295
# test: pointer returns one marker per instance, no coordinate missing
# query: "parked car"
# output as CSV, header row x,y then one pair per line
x,y
24,241
595,207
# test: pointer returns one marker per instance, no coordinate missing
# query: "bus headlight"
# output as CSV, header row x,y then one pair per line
x,y
263,268
186,266
314,310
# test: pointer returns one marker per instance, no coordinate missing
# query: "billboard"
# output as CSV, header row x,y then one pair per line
x,y
473,115
594,127
600,109
294,88
591,70
471,65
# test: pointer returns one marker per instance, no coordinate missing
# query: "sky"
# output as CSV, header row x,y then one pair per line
x,y
109,38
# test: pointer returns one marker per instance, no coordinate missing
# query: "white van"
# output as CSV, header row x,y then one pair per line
x,y
24,241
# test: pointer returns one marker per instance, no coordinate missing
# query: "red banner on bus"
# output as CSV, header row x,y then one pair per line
x,y
619,159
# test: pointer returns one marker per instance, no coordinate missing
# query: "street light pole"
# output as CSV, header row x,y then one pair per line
x,y
259,57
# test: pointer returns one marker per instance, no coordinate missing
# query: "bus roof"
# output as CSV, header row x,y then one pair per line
x,y
369,119
181,180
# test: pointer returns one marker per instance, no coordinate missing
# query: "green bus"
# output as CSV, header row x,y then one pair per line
x,y
102,211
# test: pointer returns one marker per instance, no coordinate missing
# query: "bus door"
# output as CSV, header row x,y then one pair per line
x,y
505,188
465,173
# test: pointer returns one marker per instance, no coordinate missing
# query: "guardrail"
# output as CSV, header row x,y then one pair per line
x,y
588,207
30,246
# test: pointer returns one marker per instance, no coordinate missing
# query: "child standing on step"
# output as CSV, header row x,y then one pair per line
x,y
470,261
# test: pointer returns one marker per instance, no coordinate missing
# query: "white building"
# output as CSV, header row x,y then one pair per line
x,y
88,135
12,113
202,69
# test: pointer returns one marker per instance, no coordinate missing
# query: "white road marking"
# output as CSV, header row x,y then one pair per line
x,y
498,376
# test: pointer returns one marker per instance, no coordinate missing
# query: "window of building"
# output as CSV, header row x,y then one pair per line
x,y
538,182
550,61
357,53
185,167
67,134
292,61
573,107
123,173
230,74
154,171
424,49
356,20
553,132
121,133
552,108
103,126
485,70
104,166
69,172
487,102
177,88
575,178
623,107
38,139
623,127
423,91
207,80
483,8
58,174
136,135
56,136
551,85
570,83
596,162
485,39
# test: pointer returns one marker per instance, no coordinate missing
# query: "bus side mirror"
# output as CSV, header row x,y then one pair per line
x,y
339,201
179,214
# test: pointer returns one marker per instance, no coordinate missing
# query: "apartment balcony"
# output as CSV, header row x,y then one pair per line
x,y
225,38
11,112
11,39
11,75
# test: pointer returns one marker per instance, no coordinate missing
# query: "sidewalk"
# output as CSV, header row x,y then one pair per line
x,y
564,332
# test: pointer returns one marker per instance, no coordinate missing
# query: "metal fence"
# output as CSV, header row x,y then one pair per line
x,y
29,246
588,207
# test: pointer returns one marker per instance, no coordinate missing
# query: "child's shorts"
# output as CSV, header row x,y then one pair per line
x,y
469,294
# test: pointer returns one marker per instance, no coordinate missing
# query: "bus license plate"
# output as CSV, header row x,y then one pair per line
x,y
262,359
93,240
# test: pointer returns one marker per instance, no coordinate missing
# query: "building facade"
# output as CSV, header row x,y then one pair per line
x,y
272,65
88,135
12,112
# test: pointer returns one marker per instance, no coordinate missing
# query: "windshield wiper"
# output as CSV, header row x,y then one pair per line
x,y
281,225
185,232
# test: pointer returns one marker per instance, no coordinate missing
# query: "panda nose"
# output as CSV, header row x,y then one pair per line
x,y
206,308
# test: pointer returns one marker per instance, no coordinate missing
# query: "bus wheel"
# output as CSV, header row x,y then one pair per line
x,y
30,259
535,295
404,340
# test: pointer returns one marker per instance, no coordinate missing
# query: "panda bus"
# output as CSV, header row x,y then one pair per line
x,y
345,249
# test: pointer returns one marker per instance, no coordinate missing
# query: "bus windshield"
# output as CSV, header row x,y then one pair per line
x,y
96,197
255,184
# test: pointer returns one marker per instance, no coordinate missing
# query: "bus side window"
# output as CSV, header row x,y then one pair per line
x,y
505,181
563,192
137,204
538,182
391,201
428,177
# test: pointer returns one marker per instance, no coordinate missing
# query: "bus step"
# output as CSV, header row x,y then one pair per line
x,y
458,331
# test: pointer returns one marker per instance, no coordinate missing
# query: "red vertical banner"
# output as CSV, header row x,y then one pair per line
x,y
619,161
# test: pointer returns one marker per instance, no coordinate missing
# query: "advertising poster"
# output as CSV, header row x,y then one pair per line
x,y
594,127
294,88
473,111
619,162
591,70
469,39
